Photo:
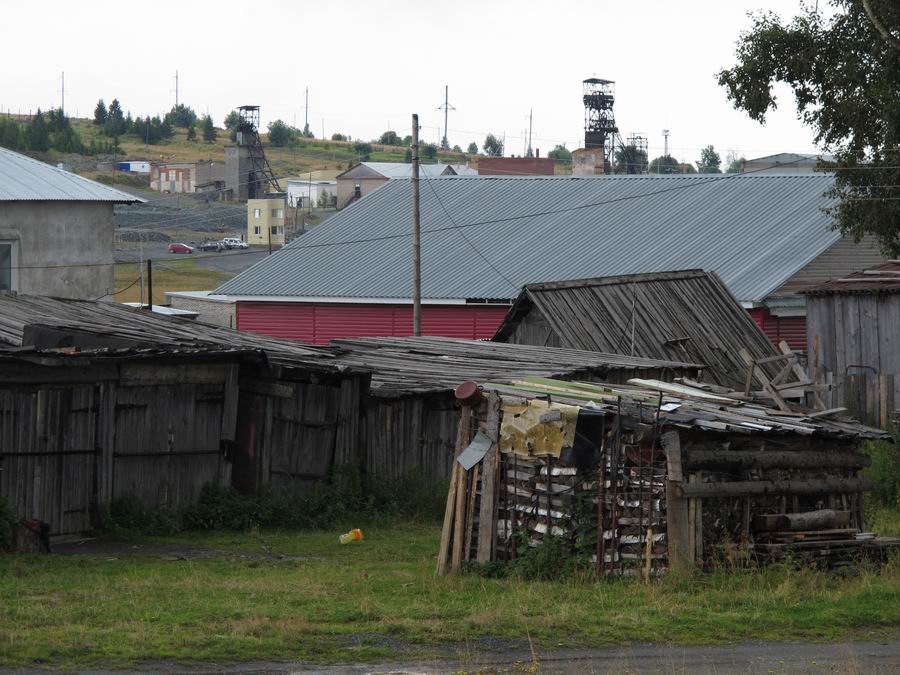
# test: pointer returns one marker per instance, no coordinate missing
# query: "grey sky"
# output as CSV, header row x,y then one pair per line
x,y
369,64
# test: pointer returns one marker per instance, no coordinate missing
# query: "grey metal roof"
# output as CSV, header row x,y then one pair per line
x,y
404,170
25,179
754,231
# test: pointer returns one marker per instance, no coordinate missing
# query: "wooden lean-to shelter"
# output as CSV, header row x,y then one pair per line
x,y
646,476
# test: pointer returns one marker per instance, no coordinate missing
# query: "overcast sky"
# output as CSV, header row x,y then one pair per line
x,y
369,64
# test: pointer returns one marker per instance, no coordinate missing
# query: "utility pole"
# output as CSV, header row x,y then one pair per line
x,y
417,232
176,90
149,285
445,144
62,105
306,110
666,142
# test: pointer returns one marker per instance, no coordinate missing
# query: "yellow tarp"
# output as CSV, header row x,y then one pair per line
x,y
523,432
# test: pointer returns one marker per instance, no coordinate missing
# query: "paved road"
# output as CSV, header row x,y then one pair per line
x,y
745,657
232,262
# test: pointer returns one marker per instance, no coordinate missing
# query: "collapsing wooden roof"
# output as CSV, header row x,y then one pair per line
x,y
431,364
686,316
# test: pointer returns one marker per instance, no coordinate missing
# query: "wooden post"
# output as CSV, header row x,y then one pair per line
x,y
417,232
489,474
677,531
462,439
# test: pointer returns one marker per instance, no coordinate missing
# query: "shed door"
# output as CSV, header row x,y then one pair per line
x,y
49,455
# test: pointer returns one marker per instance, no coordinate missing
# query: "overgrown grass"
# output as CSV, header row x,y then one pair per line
x,y
323,602
179,275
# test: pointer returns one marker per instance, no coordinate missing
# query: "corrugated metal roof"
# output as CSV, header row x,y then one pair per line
x,y
404,170
883,278
754,231
25,179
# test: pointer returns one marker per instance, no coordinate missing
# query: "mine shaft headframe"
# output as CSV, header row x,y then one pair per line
x,y
599,119
249,116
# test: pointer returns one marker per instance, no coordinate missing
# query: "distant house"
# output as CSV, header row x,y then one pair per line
x,y
187,177
784,162
516,166
265,220
134,166
56,230
485,237
318,188
367,177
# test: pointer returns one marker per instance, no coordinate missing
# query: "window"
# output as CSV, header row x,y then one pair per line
x,y
256,230
257,213
278,213
8,275
276,229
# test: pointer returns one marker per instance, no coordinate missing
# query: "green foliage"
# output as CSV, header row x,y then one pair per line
x,y
7,527
181,116
734,164
115,120
630,159
306,133
100,114
192,133
232,122
362,149
458,149
338,137
473,148
280,134
151,130
11,134
407,156
709,161
664,164
492,146
209,130
37,133
389,138
845,77
552,559
428,150
407,140
129,515
885,471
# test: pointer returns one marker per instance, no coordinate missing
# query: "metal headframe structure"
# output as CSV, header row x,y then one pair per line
x,y
599,120
248,136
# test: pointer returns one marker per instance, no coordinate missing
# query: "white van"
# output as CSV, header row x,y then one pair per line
x,y
234,242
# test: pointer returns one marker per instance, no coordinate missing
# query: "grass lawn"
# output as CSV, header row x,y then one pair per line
x,y
379,599
175,275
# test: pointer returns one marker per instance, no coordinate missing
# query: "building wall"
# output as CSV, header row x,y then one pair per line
x,y
237,171
322,322
65,248
213,312
516,166
791,329
587,162
844,257
347,186
300,191
264,229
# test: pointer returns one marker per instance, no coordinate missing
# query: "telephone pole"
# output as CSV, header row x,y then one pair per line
x,y
666,142
417,232
176,88
529,152
62,105
445,144
306,110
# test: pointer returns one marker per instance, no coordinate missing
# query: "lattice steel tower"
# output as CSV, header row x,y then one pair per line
x,y
599,121
638,147
260,172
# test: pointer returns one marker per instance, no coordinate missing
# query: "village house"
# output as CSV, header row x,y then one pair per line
x,y
265,220
484,238
188,177
366,177
317,189
516,166
56,230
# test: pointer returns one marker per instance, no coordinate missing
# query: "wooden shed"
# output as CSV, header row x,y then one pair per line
x,y
687,315
853,329
410,417
646,476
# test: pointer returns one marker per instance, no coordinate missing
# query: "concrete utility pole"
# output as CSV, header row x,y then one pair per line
x,y
62,105
176,88
666,142
529,152
306,109
446,108
417,232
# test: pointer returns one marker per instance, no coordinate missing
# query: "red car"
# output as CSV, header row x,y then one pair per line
x,y
180,248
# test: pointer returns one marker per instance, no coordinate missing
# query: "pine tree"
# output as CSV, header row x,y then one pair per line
x,y
100,114
37,135
209,130
192,133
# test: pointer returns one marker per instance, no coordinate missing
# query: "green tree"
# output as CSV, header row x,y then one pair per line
x,y
232,122
181,116
37,133
100,114
338,137
362,148
115,120
710,161
192,133
473,148
407,140
428,150
11,134
560,154
407,156
630,159
306,133
492,146
209,130
733,163
843,68
389,138
458,149
664,164
280,134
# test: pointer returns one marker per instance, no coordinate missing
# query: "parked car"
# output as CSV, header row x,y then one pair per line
x,y
234,242
212,246
180,248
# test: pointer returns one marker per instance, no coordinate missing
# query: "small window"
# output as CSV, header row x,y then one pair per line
x,y
257,213
278,213
257,230
8,275
276,229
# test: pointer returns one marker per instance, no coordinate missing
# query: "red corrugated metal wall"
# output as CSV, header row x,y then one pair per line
x,y
791,329
321,322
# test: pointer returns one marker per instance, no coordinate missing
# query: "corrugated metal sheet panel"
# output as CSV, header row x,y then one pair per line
x,y
791,329
753,231
25,179
322,322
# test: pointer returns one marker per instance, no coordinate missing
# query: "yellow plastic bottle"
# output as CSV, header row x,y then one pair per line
x,y
353,535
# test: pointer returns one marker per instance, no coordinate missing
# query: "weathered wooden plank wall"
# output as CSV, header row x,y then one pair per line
x,y
854,343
